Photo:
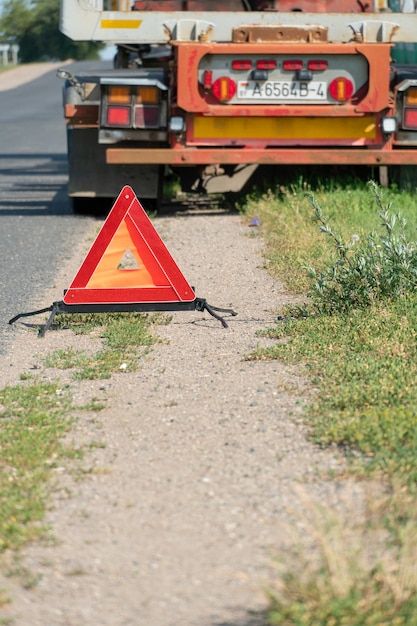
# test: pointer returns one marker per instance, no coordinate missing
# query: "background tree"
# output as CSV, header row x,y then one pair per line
x,y
34,26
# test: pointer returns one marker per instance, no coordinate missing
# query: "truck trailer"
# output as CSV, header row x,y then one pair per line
x,y
212,90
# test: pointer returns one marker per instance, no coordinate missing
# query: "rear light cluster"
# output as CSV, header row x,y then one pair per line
x,y
291,65
410,109
128,106
224,88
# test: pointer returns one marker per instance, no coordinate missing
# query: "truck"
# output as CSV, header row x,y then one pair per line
x,y
212,90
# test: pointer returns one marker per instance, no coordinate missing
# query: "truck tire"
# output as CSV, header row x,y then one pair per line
x,y
91,206
404,176
407,178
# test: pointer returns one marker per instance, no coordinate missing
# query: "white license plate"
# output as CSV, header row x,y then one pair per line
x,y
281,90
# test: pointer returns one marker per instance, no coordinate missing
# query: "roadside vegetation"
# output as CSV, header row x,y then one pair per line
x,y
349,250
36,414
5,68
33,26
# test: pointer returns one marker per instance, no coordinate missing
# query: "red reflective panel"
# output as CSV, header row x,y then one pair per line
x,y
147,117
118,116
317,66
341,89
241,64
207,79
410,118
292,65
266,64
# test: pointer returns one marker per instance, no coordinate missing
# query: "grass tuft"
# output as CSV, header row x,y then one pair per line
x,y
356,577
33,419
126,337
381,266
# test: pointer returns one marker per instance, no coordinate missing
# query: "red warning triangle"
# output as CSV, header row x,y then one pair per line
x,y
128,262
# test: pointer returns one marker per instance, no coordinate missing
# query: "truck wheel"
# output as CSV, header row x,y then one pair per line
x,y
80,206
404,176
91,206
407,178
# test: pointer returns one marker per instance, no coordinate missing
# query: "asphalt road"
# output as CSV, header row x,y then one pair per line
x,y
37,227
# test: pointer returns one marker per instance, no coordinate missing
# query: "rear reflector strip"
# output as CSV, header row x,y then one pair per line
x,y
241,64
290,128
292,66
266,64
317,66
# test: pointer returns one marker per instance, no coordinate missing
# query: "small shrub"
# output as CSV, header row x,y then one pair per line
x,y
381,267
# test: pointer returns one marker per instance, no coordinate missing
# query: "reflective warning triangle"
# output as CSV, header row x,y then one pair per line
x,y
128,262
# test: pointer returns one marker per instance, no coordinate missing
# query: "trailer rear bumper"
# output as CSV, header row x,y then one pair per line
x,y
274,156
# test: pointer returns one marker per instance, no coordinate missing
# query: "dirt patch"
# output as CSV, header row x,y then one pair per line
x,y
188,498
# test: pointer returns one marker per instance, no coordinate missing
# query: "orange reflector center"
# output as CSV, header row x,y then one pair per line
x,y
109,270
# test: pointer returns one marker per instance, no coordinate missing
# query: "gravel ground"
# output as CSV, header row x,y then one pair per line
x,y
193,489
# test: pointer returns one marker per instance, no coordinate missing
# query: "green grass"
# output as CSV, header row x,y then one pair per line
x,y
287,218
365,367
67,358
33,420
35,416
361,359
5,68
126,337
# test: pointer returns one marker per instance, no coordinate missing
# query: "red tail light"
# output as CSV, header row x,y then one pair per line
x,y
118,116
292,66
146,117
207,79
224,88
317,66
341,89
266,64
410,119
241,64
